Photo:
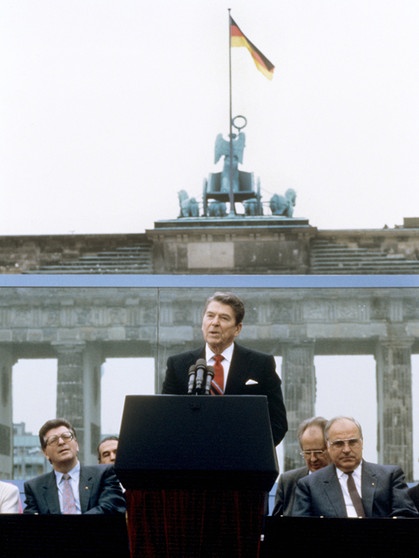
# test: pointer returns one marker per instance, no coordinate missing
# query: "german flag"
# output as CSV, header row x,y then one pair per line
x,y
239,39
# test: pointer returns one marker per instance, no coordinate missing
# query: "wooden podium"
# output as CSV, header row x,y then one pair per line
x,y
197,472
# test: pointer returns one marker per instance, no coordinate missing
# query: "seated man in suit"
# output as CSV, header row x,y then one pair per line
x,y
246,372
310,435
350,486
71,488
107,450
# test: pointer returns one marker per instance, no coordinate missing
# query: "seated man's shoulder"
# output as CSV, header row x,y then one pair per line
x,y
39,479
318,476
382,468
98,469
297,473
8,487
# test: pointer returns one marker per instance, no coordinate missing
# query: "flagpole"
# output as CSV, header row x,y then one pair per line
x,y
231,193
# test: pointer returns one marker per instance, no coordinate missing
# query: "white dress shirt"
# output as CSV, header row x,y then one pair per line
x,y
74,482
343,479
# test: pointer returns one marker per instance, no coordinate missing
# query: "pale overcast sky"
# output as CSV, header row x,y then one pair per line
x,y
109,108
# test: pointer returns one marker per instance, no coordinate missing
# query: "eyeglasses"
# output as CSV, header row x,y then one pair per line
x,y
309,453
66,436
340,444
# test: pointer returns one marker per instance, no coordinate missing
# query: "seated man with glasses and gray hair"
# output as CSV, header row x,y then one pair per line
x,y
71,488
310,435
351,486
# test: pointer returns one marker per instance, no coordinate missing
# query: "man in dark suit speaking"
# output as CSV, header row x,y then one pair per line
x,y
243,371
71,488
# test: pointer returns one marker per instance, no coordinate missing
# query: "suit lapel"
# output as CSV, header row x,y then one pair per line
x,y
238,373
85,489
51,494
183,368
198,353
333,492
369,484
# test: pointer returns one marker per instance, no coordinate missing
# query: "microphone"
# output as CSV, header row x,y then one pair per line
x,y
201,370
191,382
210,376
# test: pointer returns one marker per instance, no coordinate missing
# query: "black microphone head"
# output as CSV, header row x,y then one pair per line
x,y
208,381
191,380
201,363
201,372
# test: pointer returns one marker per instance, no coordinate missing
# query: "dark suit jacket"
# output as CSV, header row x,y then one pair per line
x,y
414,494
384,493
285,492
99,489
246,364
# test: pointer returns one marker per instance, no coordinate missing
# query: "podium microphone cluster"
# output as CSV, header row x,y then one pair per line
x,y
200,378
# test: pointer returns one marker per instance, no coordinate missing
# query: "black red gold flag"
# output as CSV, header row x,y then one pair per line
x,y
239,39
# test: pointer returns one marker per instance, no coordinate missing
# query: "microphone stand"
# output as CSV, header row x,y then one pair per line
x,y
208,381
192,378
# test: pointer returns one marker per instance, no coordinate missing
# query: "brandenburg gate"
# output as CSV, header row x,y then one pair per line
x,y
81,321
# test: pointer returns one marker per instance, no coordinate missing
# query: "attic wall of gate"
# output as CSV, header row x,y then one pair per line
x,y
83,326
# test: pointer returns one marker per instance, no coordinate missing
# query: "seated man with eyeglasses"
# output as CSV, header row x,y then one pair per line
x,y
71,488
310,435
351,486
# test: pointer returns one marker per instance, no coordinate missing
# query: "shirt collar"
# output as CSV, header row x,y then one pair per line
x,y
356,472
74,473
227,353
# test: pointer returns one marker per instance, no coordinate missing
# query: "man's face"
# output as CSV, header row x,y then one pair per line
x,y
219,326
107,451
314,448
345,445
60,450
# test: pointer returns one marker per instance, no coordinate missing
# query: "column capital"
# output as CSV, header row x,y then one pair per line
x,y
71,346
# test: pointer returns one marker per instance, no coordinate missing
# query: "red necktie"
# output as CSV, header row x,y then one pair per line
x,y
217,384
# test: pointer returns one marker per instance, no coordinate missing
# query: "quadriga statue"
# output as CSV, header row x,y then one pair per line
x,y
283,205
189,207
222,149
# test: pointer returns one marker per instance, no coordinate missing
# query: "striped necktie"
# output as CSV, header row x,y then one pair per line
x,y
69,503
217,384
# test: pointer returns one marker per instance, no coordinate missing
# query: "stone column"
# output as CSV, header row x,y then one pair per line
x,y
160,370
70,397
6,413
92,374
299,388
394,394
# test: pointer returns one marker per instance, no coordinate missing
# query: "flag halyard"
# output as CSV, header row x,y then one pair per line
x,y
239,39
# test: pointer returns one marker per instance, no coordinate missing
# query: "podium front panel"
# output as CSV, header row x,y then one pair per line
x,y
177,441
